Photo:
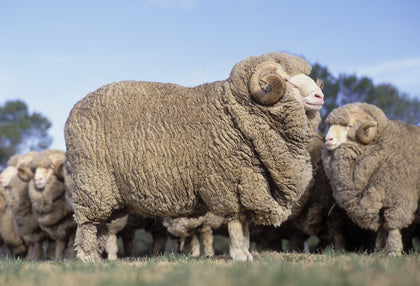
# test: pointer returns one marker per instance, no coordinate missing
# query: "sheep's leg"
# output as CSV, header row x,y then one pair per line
x,y
195,246
86,243
111,247
381,238
338,242
394,243
159,243
208,238
127,235
60,246
70,251
35,252
239,241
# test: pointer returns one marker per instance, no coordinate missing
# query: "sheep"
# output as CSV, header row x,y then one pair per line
x,y
12,241
15,183
236,148
47,195
373,166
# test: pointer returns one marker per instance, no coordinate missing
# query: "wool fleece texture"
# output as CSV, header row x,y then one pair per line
x,y
377,182
161,149
49,202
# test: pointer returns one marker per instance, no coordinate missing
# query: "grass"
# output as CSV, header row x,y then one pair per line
x,y
269,268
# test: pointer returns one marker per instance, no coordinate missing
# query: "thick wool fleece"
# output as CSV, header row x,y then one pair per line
x,y
49,204
8,232
17,197
166,150
378,184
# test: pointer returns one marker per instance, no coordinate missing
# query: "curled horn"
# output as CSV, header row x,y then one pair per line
x,y
266,85
367,132
25,174
58,171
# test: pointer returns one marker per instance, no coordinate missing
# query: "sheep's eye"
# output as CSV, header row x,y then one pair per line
x,y
350,125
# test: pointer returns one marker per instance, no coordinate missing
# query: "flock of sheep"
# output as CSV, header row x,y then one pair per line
x,y
241,156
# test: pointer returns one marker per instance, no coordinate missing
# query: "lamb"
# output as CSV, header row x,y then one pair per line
x,y
373,165
236,148
47,194
12,241
15,183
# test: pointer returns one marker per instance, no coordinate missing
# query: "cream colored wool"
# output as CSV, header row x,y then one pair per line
x,y
12,241
377,183
49,203
17,198
166,150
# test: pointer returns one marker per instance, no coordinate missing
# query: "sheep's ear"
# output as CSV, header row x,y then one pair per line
x,y
266,85
59,171
320,83
367,132
2,204
25,174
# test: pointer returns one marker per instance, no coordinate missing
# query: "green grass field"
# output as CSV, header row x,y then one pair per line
x,y
268,268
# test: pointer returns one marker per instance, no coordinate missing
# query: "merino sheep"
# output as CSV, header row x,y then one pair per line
x,y
12,241
47,194
373,165
236,148
15,183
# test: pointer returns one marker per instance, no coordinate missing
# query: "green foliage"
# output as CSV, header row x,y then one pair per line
x,y
349,88
21,131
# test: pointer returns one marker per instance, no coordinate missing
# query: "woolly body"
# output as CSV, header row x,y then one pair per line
x,y
377,183
165,150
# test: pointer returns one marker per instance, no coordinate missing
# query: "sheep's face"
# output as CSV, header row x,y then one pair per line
x,y
269,83
336,135
307,92
7,175
360,128
42,176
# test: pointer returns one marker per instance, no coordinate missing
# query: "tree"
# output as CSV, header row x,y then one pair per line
x,y
20,131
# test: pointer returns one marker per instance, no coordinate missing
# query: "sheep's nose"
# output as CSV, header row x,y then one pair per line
x,y
329,139
319,95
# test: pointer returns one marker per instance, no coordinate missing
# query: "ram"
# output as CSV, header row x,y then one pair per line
x,y
373,165
237,148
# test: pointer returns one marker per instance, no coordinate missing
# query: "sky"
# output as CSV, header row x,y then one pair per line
x,y
53,53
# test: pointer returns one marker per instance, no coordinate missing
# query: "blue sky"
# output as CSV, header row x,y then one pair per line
x,y
52,53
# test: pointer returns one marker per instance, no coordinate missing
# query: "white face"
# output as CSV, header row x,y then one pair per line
x,y
308,92
7,175
41,177
336,135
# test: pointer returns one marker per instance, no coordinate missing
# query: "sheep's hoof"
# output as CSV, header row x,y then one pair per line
x,y
394,253
241,255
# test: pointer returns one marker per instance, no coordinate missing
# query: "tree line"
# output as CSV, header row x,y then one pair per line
x,y
22,131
